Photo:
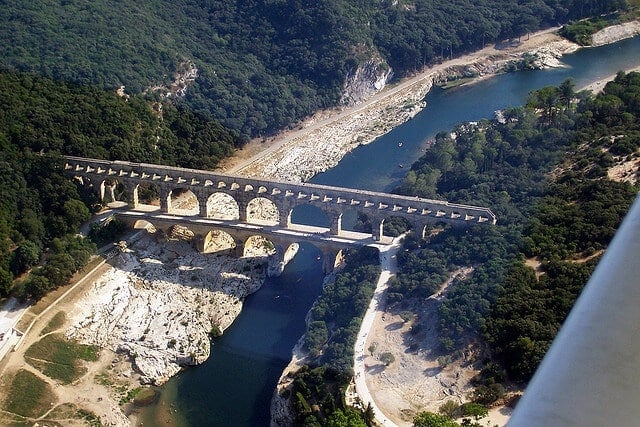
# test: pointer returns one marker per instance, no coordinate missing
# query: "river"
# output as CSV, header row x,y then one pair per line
x,y
234,387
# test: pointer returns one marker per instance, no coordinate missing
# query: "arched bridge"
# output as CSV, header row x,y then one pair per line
x,y
284,195
133,180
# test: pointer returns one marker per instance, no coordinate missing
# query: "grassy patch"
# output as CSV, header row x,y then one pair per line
x,y
55,323
92,419
59,358
145,397
104,379
63,411
69,411
456,82
129,395
28,395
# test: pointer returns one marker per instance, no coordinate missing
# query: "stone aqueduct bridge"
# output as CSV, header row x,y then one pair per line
x,y
285,196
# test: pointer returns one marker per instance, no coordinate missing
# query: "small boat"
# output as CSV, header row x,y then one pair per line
x,y
401,165
399,144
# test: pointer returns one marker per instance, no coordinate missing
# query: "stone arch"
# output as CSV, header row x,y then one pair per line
x,y
112,192
87,189
262,210
356,220
146,194
143,224
222,206
395,225
389,226
332,260
216,241
308,214
183,201
257,246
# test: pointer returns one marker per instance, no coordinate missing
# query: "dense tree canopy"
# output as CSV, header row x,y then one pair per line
x,y
333,326
544,170
40,208
263,64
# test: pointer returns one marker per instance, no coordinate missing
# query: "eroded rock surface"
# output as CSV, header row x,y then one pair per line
x,y
161,301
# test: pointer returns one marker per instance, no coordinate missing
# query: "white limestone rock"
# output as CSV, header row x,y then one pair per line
x,y
365,81
160,303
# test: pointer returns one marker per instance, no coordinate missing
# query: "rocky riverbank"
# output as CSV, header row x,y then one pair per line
x,y
322,140
160,303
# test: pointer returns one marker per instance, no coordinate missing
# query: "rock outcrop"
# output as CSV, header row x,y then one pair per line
x,y
161,301
366,80
616,33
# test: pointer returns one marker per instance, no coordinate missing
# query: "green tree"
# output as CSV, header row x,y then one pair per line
x,y
316,337
6,282
26,256
348,418
36,286
475,410
545,99
387,358
449,409
429,419
75,212
567,91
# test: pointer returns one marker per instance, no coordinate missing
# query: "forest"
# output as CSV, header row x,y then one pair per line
x,y
317,394
41,209
544,169
262,64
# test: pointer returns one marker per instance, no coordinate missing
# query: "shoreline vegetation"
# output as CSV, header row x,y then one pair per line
x,y
109,384
295,155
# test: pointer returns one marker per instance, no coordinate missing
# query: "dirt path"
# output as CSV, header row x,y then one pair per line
x,y
84,392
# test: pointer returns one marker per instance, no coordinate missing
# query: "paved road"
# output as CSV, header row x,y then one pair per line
x,y
389,267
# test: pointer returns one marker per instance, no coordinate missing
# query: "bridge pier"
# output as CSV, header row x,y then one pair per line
x,y
335,224
330,260
202,203
284,219
276,262
165,200
238,251
107,192
377,229
242,210
131,191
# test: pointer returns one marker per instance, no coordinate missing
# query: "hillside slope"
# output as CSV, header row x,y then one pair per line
x,y
260,64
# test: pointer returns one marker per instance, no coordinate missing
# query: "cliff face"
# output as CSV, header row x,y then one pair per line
x,y
367,80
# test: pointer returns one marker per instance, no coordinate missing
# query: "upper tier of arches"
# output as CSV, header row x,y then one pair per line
x,y
251,196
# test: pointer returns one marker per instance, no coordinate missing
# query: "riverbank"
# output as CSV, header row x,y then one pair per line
x,y
150,311
321,141
399,390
